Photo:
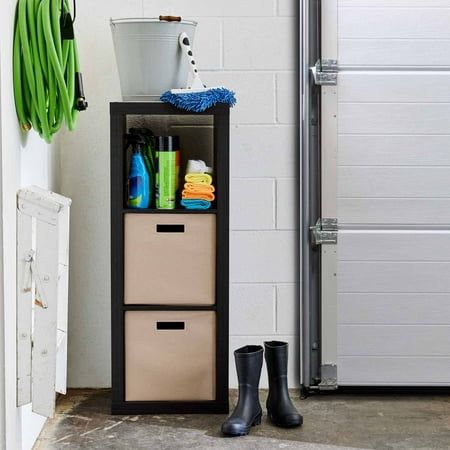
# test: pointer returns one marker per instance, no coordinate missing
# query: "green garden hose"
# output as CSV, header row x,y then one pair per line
x,y
47,81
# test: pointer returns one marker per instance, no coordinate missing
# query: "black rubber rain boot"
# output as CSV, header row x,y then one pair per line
x,y
280,409
248,410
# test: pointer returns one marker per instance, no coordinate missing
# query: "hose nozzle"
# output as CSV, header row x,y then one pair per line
x,y
80,103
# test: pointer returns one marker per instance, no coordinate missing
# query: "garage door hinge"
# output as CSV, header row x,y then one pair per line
x,y
325,231
325,72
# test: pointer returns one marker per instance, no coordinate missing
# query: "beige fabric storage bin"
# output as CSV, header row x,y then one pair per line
x,y
170,355
170,259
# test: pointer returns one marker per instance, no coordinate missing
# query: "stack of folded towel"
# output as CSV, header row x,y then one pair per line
x,y
198,192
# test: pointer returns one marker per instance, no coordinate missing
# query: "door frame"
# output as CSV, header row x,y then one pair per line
x,y
309,38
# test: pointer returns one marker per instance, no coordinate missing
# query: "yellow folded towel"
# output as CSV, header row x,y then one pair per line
x,y
198,178
198,195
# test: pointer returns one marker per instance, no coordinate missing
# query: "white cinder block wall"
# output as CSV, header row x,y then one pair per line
x,y
249,46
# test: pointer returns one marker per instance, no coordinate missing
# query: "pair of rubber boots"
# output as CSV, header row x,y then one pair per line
x,y
248,412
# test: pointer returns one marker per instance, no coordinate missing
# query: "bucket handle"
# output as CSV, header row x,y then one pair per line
x,y
141,19
170,18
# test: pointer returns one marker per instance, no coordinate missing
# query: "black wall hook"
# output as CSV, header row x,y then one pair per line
x,y
66,22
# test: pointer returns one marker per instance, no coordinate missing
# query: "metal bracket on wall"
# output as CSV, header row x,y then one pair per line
x,y
325,231
329,377
325,72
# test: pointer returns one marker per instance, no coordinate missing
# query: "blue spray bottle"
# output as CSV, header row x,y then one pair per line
x,y
138,178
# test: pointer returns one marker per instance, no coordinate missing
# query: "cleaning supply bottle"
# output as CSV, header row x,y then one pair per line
x,y
148,154
168,163
147,150
138,177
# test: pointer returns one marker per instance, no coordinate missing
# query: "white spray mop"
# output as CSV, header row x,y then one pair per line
x,y
196,97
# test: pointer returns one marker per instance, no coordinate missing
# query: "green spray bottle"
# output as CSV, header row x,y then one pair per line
x,y
168,164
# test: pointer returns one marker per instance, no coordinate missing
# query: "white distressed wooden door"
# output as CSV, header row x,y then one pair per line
x,y
386,177
42,295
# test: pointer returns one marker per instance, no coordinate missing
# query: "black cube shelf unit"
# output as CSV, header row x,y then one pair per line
x,y
127,343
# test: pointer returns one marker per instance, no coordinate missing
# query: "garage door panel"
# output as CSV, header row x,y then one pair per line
x,y
394,340
390,245
393,371
394,3
370,150
369,182
393,305
402,277
394,118
366,22
391,184
392,52
394,86
402,309
386,211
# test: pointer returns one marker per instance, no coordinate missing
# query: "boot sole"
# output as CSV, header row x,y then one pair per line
x,y
286,424
256,421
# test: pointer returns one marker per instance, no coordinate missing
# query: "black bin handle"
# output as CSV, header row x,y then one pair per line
x,y
169,228
166,325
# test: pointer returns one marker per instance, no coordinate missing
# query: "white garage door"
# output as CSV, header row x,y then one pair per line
x,y
386,177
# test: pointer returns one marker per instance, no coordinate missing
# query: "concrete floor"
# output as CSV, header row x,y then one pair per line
x,y
330,421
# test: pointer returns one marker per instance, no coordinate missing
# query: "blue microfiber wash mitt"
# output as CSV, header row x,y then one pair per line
x,y
199,101
197,97
190,203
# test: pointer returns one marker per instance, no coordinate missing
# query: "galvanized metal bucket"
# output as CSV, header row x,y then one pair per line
x,y
148,56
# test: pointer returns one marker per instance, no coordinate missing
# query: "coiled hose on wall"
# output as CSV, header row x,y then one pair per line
x,y
48,87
